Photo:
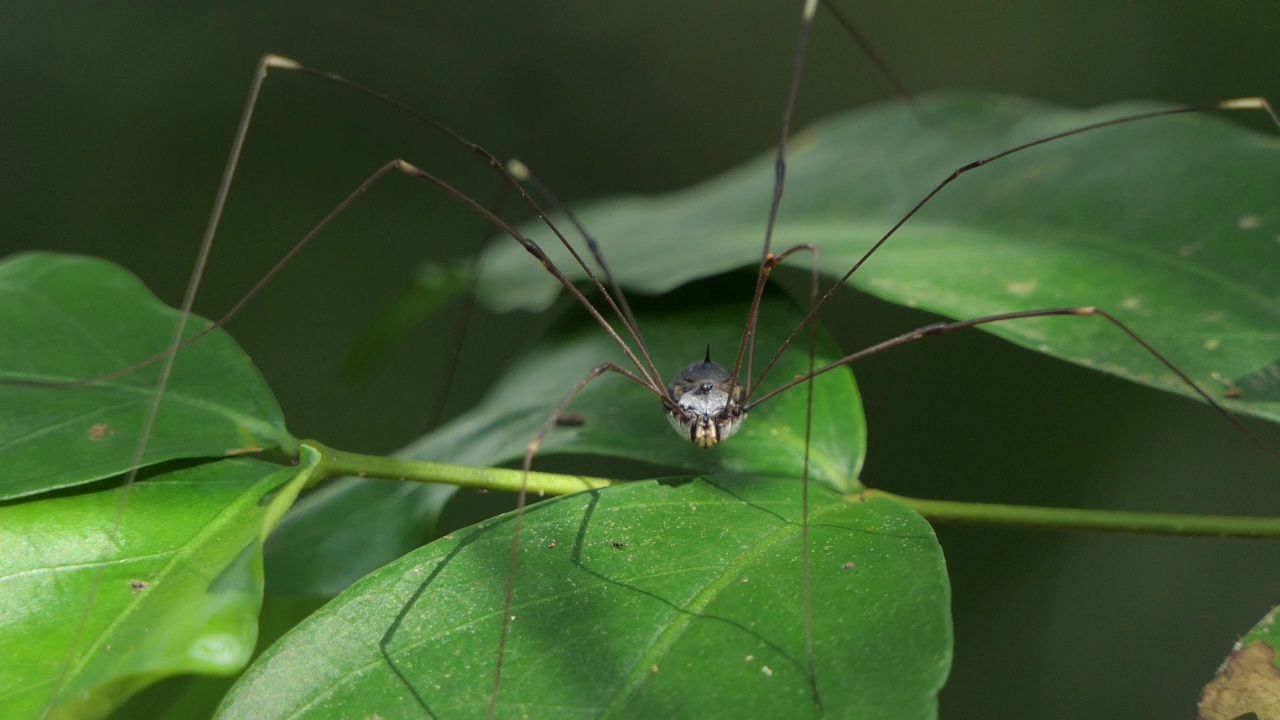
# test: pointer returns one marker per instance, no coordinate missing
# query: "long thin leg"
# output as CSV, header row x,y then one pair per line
x,y
166,369
276,61
1254,103
269,62
530,450
808,435
394,165
882,67
522,172
946,327
766,270
746,347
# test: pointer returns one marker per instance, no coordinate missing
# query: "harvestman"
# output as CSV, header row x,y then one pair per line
x,y
706,402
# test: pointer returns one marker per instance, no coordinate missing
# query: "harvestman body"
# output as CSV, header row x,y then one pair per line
x,y
710,403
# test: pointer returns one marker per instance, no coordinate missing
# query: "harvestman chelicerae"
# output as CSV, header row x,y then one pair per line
x,y
721,419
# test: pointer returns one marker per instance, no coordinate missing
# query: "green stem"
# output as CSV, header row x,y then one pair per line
x,y
337,463
1104,520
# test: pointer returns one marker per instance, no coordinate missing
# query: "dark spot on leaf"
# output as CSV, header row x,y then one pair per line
x,y
138,585
571,419
619,546
1263,385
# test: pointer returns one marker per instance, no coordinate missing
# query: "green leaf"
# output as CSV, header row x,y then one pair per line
x,y
67,318
184,697
648,600
109,591
1169,224
432,288
349,528
621,419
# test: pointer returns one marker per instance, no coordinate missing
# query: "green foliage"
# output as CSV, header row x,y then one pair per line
x,y
1169,224
171,565
493,433
656,599
671,596
76,320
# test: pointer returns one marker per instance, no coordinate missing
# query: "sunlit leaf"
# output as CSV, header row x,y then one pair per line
x,y
66,318
109,591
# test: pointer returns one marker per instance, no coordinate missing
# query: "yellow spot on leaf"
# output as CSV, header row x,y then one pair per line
x,y
1021,288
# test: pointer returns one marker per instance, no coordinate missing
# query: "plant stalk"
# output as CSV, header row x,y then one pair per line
x,y
337,463
1146,523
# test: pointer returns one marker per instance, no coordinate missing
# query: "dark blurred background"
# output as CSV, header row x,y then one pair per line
x,y
115,121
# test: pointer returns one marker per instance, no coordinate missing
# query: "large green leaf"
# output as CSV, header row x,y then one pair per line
x,y
675,599
108,591
1170,224
339,533
621,419
66,318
